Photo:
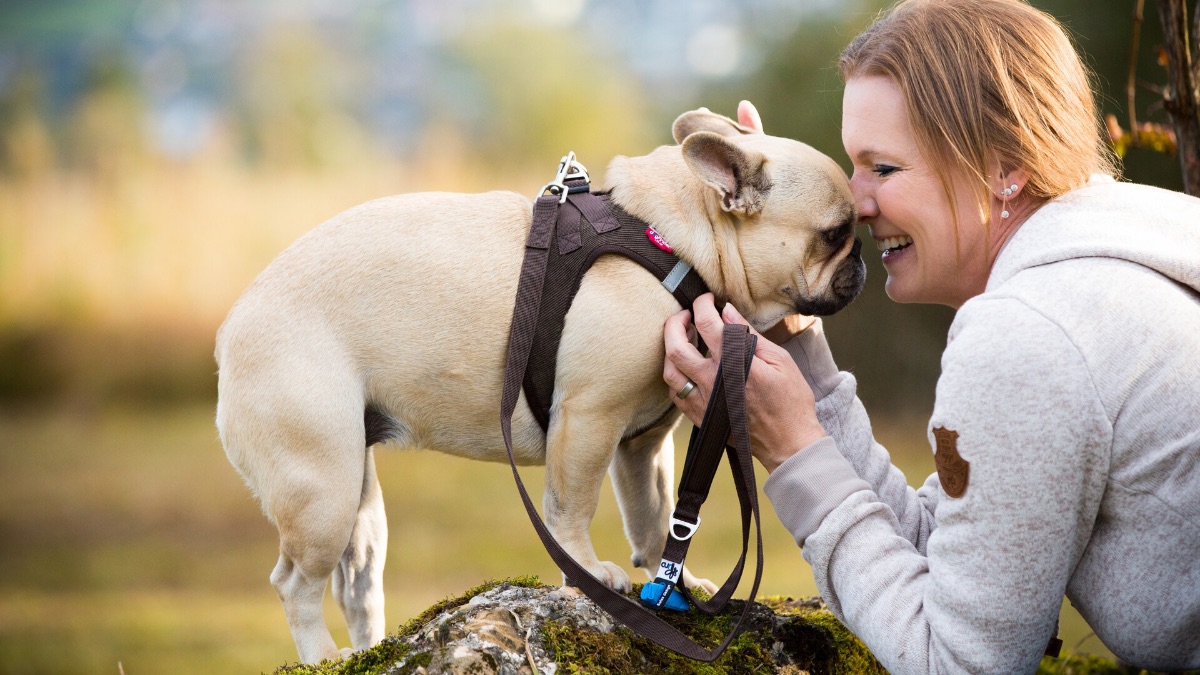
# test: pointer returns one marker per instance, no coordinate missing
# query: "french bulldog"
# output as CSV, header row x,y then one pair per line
x,y
388,325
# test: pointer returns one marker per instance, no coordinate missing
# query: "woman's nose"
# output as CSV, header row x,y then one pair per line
x,y
864,201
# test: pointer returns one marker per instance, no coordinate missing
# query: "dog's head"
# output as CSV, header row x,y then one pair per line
x,y
790,210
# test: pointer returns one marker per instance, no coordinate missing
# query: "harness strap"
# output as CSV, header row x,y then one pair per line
x,y
609,229
738,350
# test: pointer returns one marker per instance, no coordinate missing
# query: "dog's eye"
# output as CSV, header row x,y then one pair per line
x,y
838,234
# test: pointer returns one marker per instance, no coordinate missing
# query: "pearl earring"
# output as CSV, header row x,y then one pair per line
x,y
1007,192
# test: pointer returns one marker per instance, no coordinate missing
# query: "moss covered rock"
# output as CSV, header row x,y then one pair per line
x,y
522,626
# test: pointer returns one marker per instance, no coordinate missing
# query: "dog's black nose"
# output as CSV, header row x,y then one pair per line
x,y
857,247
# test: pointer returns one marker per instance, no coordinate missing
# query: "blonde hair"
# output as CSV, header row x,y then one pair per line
x,y
987,81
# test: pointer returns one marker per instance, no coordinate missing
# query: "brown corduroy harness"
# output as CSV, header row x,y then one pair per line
x,y
544,294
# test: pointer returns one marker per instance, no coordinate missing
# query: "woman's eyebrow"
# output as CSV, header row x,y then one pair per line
x,y
865,155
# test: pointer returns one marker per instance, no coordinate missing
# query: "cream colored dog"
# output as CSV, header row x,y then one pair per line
x,y
389,323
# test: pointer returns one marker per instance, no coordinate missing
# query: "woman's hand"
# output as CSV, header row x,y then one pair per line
x,y
780,406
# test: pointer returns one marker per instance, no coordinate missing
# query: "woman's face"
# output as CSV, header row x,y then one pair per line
x,y
900,198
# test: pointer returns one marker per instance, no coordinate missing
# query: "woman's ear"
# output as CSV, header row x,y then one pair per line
x,y
1009,183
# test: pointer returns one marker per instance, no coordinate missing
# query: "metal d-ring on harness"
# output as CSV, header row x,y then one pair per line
x,y
724,420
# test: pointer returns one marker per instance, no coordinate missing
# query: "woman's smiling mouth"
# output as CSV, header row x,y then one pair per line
x,y
891,245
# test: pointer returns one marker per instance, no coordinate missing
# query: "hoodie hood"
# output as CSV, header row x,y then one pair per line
x,y
1155,228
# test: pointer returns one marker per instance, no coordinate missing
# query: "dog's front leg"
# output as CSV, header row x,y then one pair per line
x,y
642,474
579,448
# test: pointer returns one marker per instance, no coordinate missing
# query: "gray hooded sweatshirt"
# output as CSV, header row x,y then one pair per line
x,y
1066,432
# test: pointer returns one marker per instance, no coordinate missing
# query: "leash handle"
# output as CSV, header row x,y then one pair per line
x,y
706,446
525,313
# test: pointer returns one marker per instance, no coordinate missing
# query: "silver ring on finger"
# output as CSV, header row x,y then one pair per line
x,y
687,389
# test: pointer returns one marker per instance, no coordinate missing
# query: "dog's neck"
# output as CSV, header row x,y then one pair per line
x,y
660,189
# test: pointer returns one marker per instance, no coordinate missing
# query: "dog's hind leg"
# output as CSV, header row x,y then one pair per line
x,y
642,473
297,436
315,505
358,577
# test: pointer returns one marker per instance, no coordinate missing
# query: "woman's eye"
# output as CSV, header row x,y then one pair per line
x,y
884,170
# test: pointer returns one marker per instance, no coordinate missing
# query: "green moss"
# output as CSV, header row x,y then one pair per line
x,y
818,642
393,648
580,650
369,662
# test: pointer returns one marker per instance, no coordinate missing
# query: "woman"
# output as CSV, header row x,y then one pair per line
x,y
1066,427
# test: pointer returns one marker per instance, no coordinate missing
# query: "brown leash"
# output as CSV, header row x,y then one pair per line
x,y
724,419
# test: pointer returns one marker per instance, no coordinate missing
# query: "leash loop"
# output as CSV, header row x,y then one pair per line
x,y
568,170
689,529
724,421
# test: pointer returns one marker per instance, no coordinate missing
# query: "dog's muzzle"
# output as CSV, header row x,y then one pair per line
x,y
846,284
848,280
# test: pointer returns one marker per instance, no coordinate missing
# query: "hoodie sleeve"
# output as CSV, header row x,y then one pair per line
x,y
845,419
1033,441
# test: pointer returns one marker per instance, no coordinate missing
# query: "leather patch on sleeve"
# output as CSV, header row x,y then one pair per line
x,y
953,471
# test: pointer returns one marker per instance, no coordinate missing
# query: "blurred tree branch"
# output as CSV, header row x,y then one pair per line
x,y
1182,96
1180,55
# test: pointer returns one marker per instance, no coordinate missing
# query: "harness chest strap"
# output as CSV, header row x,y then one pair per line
x,y
588,225
732,372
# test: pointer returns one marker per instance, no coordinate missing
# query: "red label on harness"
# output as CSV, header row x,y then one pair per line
x,y
657,239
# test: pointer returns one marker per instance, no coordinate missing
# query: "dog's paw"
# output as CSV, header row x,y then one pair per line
x,y
611,575
692,581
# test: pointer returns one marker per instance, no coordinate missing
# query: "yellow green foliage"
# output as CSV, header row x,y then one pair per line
x,y
1084,664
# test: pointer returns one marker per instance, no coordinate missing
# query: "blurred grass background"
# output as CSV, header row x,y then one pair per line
x,y
154,156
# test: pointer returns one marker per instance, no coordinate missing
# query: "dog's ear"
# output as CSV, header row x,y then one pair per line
x,y
748,117
736,173
705,120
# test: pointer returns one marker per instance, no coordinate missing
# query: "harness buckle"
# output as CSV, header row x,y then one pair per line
x,y
689,528
662,591
568,169
659,595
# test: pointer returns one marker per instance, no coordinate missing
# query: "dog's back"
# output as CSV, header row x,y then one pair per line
x,y
385,303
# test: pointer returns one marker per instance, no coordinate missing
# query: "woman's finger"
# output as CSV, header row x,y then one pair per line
x,y
708,322
694,398
680,350
685,365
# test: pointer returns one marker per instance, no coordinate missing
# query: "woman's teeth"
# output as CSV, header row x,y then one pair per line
x,y
893,244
